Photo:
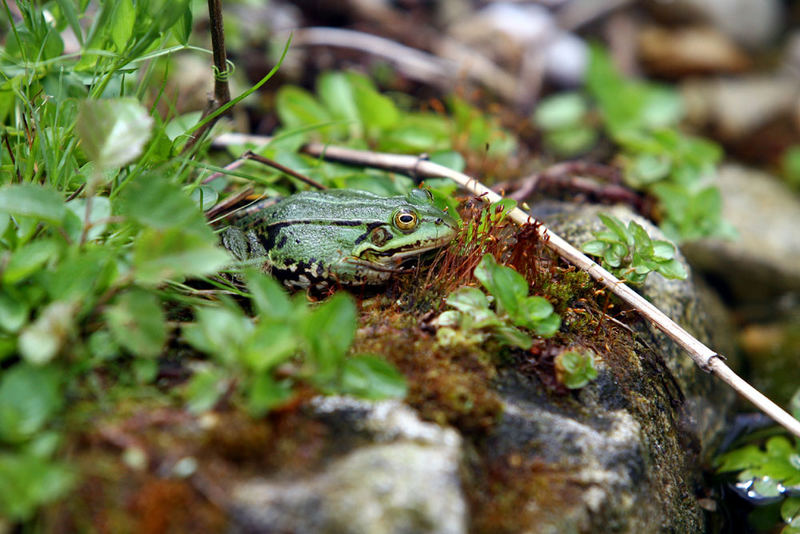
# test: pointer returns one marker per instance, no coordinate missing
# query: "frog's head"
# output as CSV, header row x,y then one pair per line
x,y
414,226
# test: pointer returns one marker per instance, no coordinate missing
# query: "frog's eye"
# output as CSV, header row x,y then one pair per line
x,y
405,219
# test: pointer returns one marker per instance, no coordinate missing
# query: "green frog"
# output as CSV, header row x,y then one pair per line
x,y
340,237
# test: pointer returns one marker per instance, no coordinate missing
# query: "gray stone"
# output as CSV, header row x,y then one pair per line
x,y
751,23
765,259
621,454
737,107
628,446
406,481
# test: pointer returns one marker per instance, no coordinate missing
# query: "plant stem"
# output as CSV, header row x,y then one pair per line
x,y
222,93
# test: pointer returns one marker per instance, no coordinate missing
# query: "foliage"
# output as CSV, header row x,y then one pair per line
x,y
790,166
771,471
575,368
566,124
101,224
347,109
641,119
247,352
473,319
629,253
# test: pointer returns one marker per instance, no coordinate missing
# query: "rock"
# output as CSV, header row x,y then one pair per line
x,y
753,24
689,51
765,260
525,38
406,480
621,453
735,108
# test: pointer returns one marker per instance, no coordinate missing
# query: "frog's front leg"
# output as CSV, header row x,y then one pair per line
x,y
245,247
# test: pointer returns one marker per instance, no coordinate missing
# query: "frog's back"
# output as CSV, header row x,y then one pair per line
x,y
336,206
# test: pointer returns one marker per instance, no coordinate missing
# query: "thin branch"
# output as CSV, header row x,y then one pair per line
x,y
704,357
283,168
222,93
456,59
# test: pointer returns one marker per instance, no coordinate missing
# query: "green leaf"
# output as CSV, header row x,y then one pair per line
x,y
790,509
296,108
535,308
44,338
122,24
33,201
154,201
575,369
507,285
616,226
514,337
14,312
594,248
571,141
468,300
265,394
204,389
794,404
163,255
738,459
28,481
564,110
450,159
374,109
269,297
766,486
182,30
663,250
221,332
81,275
100,211
338,95
137,322
372,378
113,132
646,169
672,269
270,344
548,326
29,259
29,397
329,332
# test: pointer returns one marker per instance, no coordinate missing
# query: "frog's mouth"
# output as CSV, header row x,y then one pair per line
x,y
394,259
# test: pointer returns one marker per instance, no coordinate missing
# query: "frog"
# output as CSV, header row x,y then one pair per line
x,y
316,240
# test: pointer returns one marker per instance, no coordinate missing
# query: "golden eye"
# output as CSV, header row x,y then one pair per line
x,y
405,219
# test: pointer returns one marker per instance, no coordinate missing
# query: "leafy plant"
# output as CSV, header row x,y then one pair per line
x,y
565,120
349,110
313,342
790,166
475,320
575,368
770,472
629,253
641,118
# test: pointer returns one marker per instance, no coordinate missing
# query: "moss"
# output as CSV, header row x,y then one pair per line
x,y
447,386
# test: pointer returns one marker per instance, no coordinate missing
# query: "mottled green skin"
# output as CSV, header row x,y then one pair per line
x,y
338,237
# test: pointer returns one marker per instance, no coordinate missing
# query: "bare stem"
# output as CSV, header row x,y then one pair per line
x,y
222,93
